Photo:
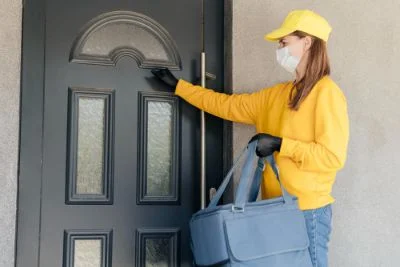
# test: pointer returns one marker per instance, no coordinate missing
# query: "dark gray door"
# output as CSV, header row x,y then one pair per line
x,y
118,177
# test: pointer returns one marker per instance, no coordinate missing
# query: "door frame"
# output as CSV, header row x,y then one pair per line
x,y
31,133
31,127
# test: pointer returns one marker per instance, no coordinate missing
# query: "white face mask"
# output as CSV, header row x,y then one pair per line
x,y
286,59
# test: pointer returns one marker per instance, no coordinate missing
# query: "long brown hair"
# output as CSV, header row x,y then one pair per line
x,y
317,67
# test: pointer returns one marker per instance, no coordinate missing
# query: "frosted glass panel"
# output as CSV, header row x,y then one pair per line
x,y
87,253
157,252
91,127
159,148
123,35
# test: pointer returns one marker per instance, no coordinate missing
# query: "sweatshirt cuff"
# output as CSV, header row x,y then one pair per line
x,y
181,85
287,147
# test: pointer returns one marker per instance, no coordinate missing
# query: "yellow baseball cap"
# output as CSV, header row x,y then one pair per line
x,y
302,20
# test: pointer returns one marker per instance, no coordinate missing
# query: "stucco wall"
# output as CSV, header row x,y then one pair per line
x,y
365,52
10,56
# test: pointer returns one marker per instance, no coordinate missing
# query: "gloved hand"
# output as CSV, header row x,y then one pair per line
x,y
267,144
166,77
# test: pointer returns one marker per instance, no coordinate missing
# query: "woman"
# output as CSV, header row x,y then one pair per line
x,y
303,122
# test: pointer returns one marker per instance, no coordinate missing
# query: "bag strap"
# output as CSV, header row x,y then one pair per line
x,y
287,197
243,189
247,190
255,186
221,189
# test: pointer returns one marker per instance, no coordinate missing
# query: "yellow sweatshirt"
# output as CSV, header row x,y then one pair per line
x,y
314,138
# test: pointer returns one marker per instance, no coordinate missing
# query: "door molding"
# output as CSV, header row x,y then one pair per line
x,y
152,29
227,144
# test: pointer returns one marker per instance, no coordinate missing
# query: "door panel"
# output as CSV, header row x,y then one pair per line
x,y
120,155
90,146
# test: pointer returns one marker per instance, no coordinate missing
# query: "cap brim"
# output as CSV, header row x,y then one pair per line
x,y
277,34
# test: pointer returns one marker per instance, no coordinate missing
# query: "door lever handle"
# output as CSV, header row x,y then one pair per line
x,y
209,76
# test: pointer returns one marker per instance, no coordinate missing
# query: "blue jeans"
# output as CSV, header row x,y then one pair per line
x,y
318,222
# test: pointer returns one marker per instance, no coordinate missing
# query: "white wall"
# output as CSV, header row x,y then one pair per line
x,y
365,53
10,56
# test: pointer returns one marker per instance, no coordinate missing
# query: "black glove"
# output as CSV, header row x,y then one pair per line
x,y
267,144
166,77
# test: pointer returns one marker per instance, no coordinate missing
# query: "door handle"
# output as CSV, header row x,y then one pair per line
x,y
209,76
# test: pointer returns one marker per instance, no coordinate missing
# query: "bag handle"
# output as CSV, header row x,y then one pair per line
x,y
221,189
245,192
249,187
